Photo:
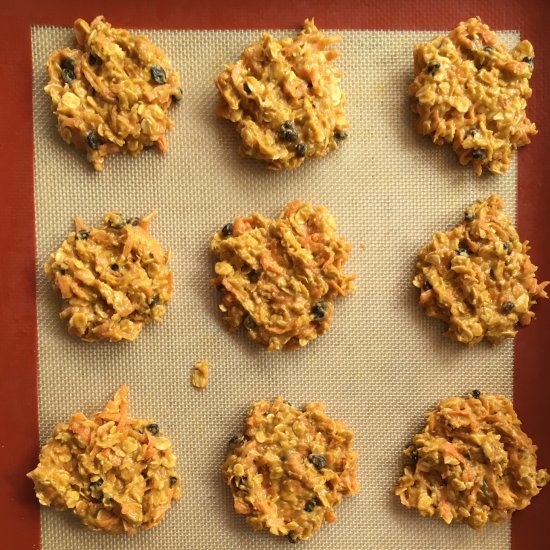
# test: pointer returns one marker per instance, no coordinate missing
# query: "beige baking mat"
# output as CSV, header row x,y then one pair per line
x,y
380,367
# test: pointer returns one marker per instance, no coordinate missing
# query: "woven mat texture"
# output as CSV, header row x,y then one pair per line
x,y
380,367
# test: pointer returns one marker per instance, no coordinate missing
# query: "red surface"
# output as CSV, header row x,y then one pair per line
x,y
19,515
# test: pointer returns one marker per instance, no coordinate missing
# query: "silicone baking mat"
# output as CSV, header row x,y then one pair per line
x,y
379,368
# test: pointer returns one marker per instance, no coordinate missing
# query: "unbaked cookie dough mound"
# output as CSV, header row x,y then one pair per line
x,y
290,468
471,91
478,277
114,472
113,279
112,93
472,463
285,99
280,277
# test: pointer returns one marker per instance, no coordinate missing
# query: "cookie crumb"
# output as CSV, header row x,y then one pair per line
x,y
199,377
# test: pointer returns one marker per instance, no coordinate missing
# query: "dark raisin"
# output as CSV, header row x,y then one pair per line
x,y
478,154
249,323
528,59
469,216
462,252
508,307
117,224
432,68
115,267
340,135
292,537
173,480
67,63
237,439
241,483
133,221
154,301
488,49
472,132
68,76
95,60
414,455
94,141
82,235
319,461
301,150
178,96
426,285
95,485
287,132
507,247
67,70
158,74
311,504
153,428
319,310
227,230
476,394
246,88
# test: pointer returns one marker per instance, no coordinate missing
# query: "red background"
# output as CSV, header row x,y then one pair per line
x,y
19,510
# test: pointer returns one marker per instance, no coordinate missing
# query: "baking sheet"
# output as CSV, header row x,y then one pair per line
x,y
379,368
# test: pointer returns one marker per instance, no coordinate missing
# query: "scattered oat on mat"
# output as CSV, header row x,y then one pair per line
x,y
113,279
472,463
291,468
112,93
199,377
114,472
478,277
280,277
285,99
471,91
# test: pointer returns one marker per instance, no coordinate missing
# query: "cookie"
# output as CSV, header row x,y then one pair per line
x,y
472,463
471,91
280,278
114,472
112,92
290,468
113,279
478,277
285,99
